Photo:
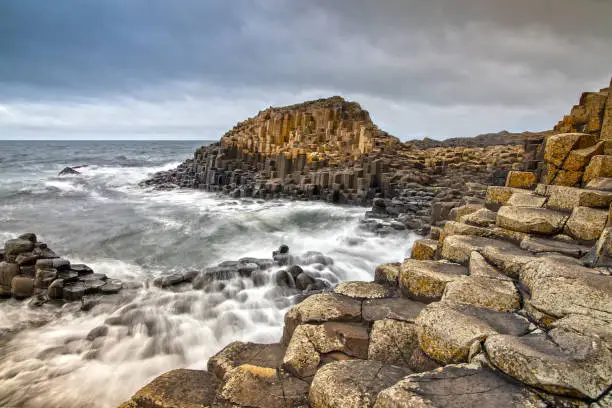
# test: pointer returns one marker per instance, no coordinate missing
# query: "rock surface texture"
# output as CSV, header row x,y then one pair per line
x,y
507,304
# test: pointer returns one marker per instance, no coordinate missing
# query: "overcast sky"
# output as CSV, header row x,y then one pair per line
x,y
178,69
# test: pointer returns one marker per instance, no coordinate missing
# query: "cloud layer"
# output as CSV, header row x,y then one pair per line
x,y
191,68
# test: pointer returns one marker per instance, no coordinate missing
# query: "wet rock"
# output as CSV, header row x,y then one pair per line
x,y
284,279
22,287
56,289
563,362
111,286
425,280
295,271
29,236
68,171
7,272
352,383
392,341
283,249
456,386
320,308
81,269
14,247
92,277
303,281
44,277
169,280
446,332
100,331
363,290
74,292
177,388
68,276
55,263
399,308
93,286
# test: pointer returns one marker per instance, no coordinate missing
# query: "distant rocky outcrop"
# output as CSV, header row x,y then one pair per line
x,y
487,139
330,150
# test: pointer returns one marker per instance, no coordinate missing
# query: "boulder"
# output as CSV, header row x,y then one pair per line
x,y
177,388
392,341
526,200
563,198
446,332
68,171
303,280
363,290
562,362
261,387
29,236
457,248
495,294
481,218
7,272
398,308
424,249
599,166
521,179
310,341
458,212
74,292
531,220
355,383
387,273
426,280
586,223
14,247
22,287
540,245
44,277
456,386
56,289
319,308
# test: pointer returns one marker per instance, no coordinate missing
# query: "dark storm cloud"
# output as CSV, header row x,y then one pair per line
x,y
444,58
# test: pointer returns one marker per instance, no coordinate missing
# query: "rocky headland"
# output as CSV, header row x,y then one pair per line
x,y
507,302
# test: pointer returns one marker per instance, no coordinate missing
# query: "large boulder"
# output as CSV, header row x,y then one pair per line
x,y
348,384
562,362
531,220
22,287
446,332
456,386
14,247
239,353
426,280
319,308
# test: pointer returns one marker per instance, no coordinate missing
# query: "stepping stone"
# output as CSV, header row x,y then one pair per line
x,y
562,362
457,248
425,280
81,269
446,331
387,273
481,218
507,258
539,245
309,341
456,386
392,342
494,294
320,308
363,290
352,383
93,286
238,353
521,179
586,223
526,200
398,308
177,388
92,276
68,276
531,220
169,280
424,249
74,292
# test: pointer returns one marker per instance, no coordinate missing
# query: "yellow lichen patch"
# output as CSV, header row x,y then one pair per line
x,y
257,370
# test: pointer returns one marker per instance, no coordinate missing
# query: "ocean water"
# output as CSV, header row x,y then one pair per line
x,y
104,219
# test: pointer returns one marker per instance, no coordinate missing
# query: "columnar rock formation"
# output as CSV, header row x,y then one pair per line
x,y
508,303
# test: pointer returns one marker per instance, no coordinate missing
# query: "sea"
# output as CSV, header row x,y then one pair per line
x,y
103,218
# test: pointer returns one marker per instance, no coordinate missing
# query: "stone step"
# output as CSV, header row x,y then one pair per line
x,y
425,280
562,198
531,220
495,294
424,249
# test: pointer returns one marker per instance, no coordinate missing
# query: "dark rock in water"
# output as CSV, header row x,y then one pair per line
x,y
302,281
68,171
38,301
247,269
93,276
282,259
14,247
22,287
1,254
284,279
93,286
44,278
56,263
100,331
74,292
81,269
283,249
295,270
170,280
29,236
68,276
111,286
26,259
56,289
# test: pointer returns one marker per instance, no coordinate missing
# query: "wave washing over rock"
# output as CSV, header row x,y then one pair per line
x,y
507,303
100,351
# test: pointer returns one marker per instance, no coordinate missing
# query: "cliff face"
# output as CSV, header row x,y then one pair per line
x,y
329,128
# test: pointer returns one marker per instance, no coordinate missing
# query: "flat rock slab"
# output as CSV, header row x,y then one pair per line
x,y
392,342
319,308
447,331
539,245
526,200
259,387
354,383
481,218
531,220
566,198
425,280
238,353
507,257
364,290
177,388
457,248
456,386
479,267
494,294
399,308
562,362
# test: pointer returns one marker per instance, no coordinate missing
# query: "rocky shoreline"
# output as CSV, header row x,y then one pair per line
x,y
507,303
